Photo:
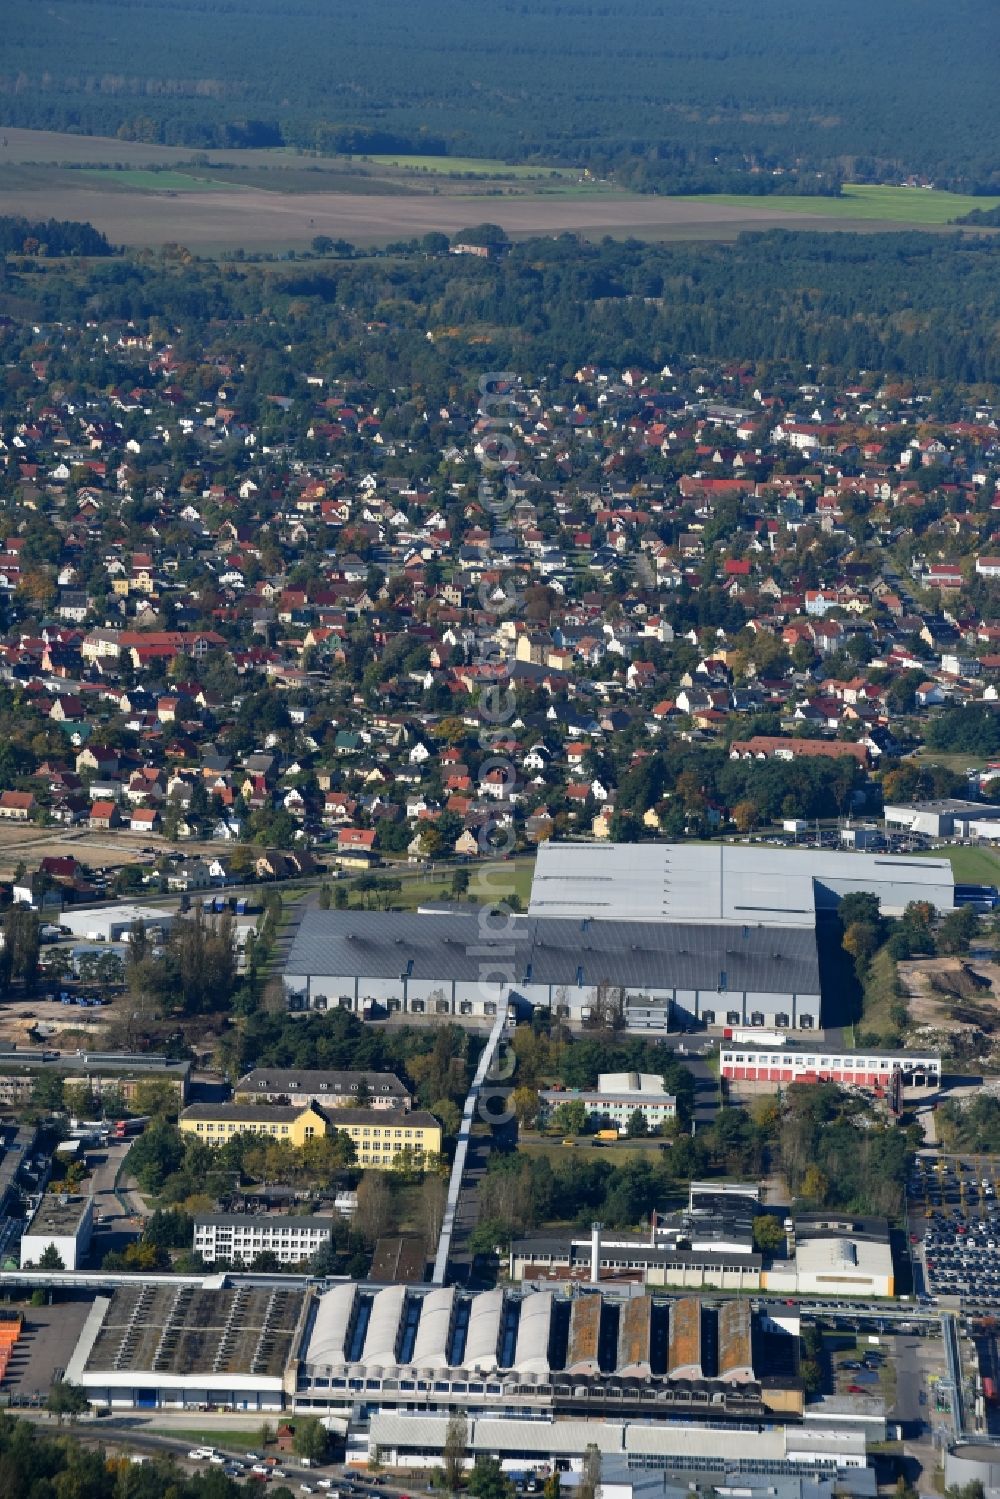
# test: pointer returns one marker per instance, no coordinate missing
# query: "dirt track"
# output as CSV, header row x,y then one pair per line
x,y
255,219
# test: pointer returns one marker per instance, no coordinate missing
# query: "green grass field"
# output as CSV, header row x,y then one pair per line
x,y
972,866
451,166
156,182
487,883
233,1439
897,205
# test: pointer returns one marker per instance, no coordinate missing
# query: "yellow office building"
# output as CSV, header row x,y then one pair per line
x,y
215,1123
379,1135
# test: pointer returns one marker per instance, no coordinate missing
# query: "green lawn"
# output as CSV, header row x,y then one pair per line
x,y
450,166
899,205
237,1440
972,866
156,182
488,882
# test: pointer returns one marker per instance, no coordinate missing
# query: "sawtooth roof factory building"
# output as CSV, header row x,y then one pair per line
x,y
684,934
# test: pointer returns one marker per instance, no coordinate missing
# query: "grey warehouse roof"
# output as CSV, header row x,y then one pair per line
x,y
550,950
722,882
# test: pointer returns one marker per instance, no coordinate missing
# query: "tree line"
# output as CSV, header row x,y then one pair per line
x,y
767,91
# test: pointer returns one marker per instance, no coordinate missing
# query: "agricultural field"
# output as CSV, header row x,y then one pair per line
x,y
915,206
468,166
147,195
145,180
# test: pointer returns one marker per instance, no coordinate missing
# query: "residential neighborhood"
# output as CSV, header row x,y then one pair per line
x,y
278,643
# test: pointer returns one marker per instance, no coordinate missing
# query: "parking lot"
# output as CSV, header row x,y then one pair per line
x,y
954,1209
42,1353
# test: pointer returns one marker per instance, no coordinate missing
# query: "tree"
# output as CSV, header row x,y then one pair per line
x,y
48,1092
66,1399
489,1481
590,1479
433,1197
157,1097
374,1210
375,1460
310,1439
526,1105
861,941
454,1451
570,1118
637,1126
957,930
768,1234
815,1185
745,815
50,1259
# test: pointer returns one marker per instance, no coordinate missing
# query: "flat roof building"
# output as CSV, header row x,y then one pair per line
x,y
62,1223
764,1069
732,883
616,1098
944,817
89,1072
696,1453
375,963
115,923
238,1238
166,1346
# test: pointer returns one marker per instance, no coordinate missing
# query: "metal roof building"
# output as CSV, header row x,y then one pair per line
x,y
531,1356
417,1440
482,1344
433,1341
383,1335
331,1330
725,882
684,1357
454,964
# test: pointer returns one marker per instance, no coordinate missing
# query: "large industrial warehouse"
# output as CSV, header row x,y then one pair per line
x,y
159,1345
725,882
407,1347
431,1348
688,934
372,963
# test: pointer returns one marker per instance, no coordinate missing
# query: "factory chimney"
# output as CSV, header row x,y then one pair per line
x,y
595,1253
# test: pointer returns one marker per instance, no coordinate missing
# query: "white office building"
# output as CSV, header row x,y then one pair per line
x,y
238,1238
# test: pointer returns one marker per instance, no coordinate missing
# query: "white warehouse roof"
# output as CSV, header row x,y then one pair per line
x,y
382,1337
483,1339
704,882
430,1348
328,1340
531,1356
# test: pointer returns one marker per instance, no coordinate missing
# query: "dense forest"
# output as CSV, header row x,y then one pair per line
x,y
37,1464
913,305
671,91
50,237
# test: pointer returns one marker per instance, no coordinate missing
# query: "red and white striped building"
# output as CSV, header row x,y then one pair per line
x,y
778,1066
